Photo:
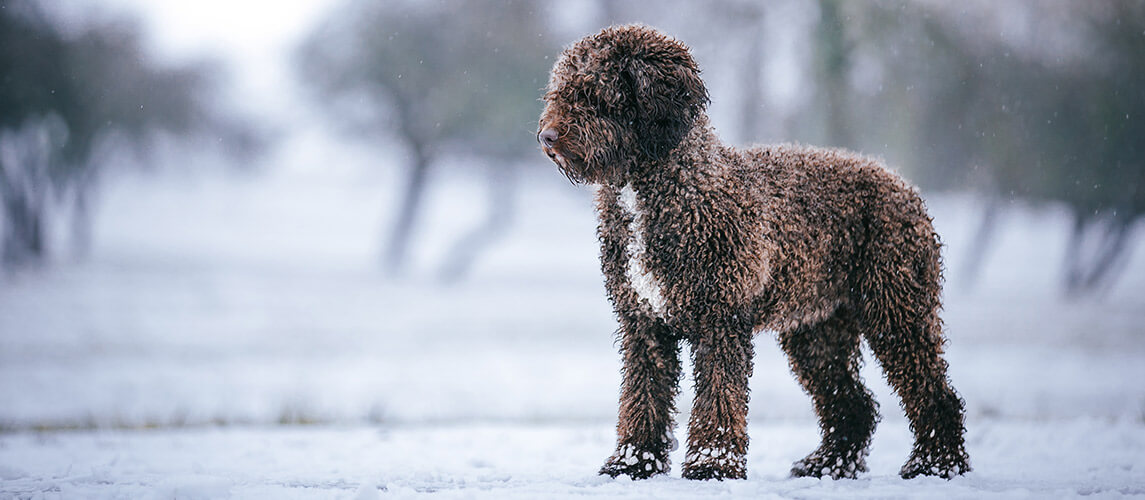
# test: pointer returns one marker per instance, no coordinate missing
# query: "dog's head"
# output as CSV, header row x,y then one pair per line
x,y
619,98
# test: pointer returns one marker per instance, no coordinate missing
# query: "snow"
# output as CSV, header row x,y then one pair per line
x,y
1041,460
234,337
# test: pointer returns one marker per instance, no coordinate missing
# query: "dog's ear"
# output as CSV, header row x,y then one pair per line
x,y
668,95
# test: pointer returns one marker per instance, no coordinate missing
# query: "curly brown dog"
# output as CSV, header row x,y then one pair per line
x,y
708,244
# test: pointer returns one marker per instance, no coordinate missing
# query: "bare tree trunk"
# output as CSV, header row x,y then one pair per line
x,y
750,78
834,61
980,243
609,13
1072,266
81,221
1087,274
1110,258
23,232
22,241
397,246
502,187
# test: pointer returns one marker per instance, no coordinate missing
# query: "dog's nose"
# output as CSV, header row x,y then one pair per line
x,y
547,137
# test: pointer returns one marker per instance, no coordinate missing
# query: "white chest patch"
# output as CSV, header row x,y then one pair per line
x,y
639,277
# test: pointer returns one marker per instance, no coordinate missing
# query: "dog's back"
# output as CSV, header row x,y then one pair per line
x,y
825,213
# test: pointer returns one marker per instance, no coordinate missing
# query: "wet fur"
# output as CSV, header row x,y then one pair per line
x,y
705,244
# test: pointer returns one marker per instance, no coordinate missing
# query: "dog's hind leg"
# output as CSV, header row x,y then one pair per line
x,y
911,355
901,324
651,372
825,357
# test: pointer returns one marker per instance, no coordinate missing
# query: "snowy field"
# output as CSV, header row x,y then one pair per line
x,y
235,337
1037,460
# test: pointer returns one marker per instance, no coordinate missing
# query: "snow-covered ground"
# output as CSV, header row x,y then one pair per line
x,y
1037,460
214,310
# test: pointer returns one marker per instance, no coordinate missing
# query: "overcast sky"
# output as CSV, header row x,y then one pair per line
x,y
253,38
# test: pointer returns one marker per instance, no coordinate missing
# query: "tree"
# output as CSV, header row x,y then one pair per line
x,y
1056,115
452,77
65,99
832,72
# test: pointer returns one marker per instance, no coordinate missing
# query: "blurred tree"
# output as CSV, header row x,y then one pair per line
x,y
1057,114
832,69
460,77
742,21
66,99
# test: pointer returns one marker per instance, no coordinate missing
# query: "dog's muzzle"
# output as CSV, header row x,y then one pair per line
x,y
571,166
548,138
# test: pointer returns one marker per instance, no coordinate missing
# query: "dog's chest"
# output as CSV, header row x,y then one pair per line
x,y
640,276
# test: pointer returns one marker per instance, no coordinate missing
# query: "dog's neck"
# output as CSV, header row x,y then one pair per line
x,y
699,154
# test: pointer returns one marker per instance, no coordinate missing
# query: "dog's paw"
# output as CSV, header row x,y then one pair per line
x,y
714,463
635,463
944,464
835,464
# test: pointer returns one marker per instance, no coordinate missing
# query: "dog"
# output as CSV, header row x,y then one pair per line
x,y
706,244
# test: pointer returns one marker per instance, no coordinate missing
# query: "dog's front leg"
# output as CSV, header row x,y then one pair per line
x,y
650,350
651,374
722,363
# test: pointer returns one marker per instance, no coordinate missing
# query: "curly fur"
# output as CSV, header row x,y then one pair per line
x,y
706,244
